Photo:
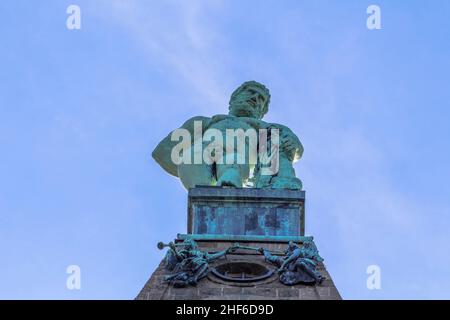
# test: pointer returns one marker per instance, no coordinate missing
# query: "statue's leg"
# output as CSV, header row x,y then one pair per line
x,y
310,270
285,178
199,274
235,170
192,175
232,175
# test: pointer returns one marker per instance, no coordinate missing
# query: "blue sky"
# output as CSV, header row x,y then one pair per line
x,y
81,111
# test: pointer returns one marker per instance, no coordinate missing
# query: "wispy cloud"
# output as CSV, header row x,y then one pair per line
x,y
181,36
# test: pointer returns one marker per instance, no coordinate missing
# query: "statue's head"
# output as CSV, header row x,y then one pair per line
x,y
251,99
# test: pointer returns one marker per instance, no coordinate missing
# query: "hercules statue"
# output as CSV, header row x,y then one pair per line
x,y
248,105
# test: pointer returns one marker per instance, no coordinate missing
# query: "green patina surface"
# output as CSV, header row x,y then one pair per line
x,y
248,105
246,212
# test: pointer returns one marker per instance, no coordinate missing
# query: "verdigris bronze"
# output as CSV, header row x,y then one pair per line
x,y
210,162
188,265
269,213
298,265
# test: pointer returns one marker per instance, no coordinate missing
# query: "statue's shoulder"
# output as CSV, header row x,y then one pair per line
x,y
282,127
252,122
191,121
189,124
220,117
285,131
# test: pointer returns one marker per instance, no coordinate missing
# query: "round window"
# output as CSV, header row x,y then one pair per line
x,y
242,271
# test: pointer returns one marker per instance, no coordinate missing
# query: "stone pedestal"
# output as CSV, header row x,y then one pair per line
x,y
246,212
220,217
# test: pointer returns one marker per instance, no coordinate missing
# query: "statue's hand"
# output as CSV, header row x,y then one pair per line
x,y
289,144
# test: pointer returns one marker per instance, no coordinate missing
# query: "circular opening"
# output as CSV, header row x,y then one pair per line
x,y
242,271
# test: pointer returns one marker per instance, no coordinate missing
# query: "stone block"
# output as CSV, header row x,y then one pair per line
x,y
252,212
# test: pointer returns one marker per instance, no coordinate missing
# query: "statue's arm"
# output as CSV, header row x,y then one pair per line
x,y
214,256
291,142
294,256
278,261
162,152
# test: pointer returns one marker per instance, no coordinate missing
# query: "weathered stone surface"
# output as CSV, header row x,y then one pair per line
x,y
288,292
309,293
231,211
